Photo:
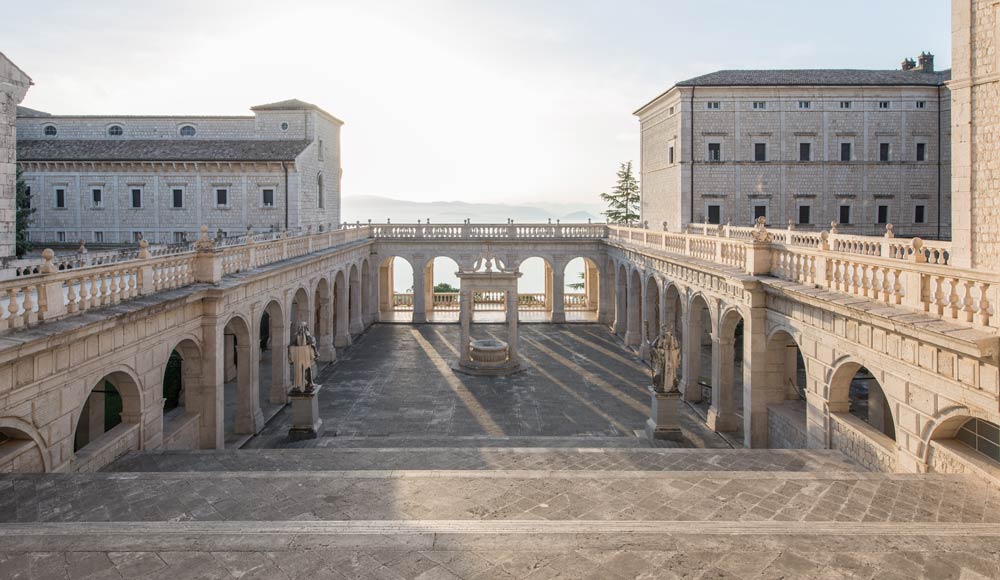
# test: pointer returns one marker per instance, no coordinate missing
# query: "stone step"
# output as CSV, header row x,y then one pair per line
x,y
429,550
409,441
498,495
495,458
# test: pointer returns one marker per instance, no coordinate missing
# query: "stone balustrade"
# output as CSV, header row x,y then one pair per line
x,y
489,231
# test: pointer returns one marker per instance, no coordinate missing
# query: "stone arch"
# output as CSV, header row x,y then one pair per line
x,y
727,372
674,310
392,271
433,300
652,317
240,369
341,312
93,426
969,434
22,448
322,319
782,396
697,347
354,300
300,310
366,291
621,298
633,306
181,409
535,298
585,299
273,336
845,395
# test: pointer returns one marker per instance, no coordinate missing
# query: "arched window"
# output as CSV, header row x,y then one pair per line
x,y
115,130
319,189
982,436
188,131
50,130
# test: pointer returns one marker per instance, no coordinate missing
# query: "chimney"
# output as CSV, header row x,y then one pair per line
x,y
908,64
925,62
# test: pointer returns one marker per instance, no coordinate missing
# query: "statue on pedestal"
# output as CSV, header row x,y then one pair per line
x,y
665,354
302,355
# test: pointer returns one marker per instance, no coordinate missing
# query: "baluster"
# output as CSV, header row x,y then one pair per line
x,y
984,304
897,286
856,279
967,307
105,293
29,306
12,308
939,298
71,306
953,298
886,285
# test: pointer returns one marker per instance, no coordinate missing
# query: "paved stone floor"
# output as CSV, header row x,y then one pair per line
x,y
397,381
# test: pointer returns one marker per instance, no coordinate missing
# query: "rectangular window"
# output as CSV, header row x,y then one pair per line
x,y
883,214
883,104
670,154
136,197
845,214
714,214
179,237
845,151
178,198
670,111
805,104
759,211
715,151
221,197
60,197
921,104
804,217
760,104
267,197
713,105
320,151
60,236
136,236
805,151
845,104
96,197
883,151
99,237
921,151
760,151
919,214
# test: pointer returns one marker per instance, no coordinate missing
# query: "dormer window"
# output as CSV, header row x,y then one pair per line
x,y
50,131
188,131
115,130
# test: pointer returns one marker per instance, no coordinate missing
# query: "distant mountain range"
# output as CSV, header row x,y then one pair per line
x,y
379,209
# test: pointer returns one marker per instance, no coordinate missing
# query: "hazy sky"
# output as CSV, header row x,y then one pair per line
x,y
501,101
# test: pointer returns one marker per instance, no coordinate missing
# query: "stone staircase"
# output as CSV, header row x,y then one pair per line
x,y
547,510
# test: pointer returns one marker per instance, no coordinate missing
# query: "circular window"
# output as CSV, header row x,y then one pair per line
x,y
115,130
284,126
188,131
50,130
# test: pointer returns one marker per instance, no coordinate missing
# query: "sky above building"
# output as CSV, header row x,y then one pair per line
x,y
512,101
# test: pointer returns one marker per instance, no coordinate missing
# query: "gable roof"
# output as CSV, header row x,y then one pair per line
x,y
26,112
818,77
158,150
293,105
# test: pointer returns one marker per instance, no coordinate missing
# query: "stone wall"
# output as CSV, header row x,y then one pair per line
x,y
873,450
13,85
20,456
948,456
180,430
786,425
108,447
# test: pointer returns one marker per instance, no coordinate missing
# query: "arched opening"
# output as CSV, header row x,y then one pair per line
x,y
322,322
109,418
581,289
354,301
534,289
673,317
299,312
962,442
241,404
868,402
19,453
395,284
698,354
341,312
442,287
784,393
633,306
181,385
272,370
652,321
366,293
726,411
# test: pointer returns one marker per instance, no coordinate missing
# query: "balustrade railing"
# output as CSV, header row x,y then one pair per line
x,y
507,231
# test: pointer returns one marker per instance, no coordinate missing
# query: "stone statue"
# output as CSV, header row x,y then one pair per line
x,y
760,233
665,353
302,354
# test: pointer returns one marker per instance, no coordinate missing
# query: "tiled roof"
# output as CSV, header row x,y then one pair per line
x,y
26,112
157,150
292,105
818,77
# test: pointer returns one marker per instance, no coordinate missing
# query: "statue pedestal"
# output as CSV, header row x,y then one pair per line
x,y
662,422
306,423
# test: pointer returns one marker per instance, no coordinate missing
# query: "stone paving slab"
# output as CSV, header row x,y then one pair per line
x,y
559,459
513,495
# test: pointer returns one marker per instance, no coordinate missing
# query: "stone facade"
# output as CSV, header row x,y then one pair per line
x,y
158,181
786,426
975,85
13,85
762,165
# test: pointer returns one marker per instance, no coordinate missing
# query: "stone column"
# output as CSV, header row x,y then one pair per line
x,y
558,295
229,350
691,357
386,288
755,389
722,413
210,397
429,286
605,297
633,330
621,310
465,320
373,293
343,333
549,296
419,296
249,418
357,326
279,363
324,334
512,339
